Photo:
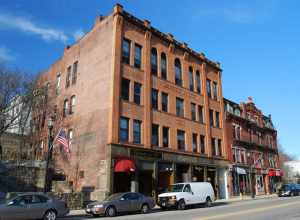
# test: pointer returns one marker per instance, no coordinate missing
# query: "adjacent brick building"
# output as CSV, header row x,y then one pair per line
x,y
251,140
142,109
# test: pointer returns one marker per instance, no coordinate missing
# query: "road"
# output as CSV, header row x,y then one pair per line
x,y
263,209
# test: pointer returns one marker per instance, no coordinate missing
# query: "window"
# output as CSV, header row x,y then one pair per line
x,y
70,135
179,107
163,65
208,88
234,155
211,117
66,107
217,119
213,146
58,78
220,147
198,81
126,51
178,73
137,56
137,93
68,77
74,75
180,140
125,89
191,78
154,98
155,134
154,61
137,131
165,137
73,103
124,129
193,111
215,90
164,102
236,131
200,113
195,136
202,144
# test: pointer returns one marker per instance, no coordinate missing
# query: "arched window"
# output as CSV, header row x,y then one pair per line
x,y
73,103
178,72
66,107
191,78
163,65
154,61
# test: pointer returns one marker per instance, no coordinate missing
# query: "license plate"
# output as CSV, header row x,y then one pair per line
x,y
163,204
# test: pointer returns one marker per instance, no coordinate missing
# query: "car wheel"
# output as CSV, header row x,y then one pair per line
x,y
208,202
50,215
111,211
181,205
145,209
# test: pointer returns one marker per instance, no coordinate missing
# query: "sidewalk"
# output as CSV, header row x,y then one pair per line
x,y
81,212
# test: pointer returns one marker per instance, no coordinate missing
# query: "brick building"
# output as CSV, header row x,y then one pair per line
x,y
251,140
142,109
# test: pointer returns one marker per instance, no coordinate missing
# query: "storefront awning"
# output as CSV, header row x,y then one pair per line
x,y
124,165
241,171
275,172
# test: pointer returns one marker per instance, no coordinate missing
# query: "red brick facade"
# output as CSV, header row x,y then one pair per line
x,y
252,143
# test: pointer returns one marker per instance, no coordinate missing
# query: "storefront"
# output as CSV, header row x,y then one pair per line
x,y
151,172
241,181
275,176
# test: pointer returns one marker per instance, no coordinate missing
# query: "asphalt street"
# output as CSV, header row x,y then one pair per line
x,y
262,209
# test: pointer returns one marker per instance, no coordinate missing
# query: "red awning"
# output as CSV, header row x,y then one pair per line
x,y
275,172
272,173
124,165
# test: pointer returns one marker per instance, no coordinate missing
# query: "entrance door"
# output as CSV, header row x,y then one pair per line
x,y
122,182
211,177
145,182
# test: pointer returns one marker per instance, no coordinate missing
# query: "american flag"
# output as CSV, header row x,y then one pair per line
x,y
61,138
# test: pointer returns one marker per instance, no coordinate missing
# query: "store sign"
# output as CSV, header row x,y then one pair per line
x,y
145,154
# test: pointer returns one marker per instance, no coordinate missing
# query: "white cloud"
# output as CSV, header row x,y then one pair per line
x,y
236,13
78,34
27,26
5,54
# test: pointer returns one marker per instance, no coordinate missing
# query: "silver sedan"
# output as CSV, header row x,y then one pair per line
x,y
121,202
33,206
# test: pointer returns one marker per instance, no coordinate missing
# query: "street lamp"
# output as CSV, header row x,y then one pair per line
x,y
251,182
49,154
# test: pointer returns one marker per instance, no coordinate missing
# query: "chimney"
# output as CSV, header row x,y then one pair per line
x,y
118,8
250,99
147,23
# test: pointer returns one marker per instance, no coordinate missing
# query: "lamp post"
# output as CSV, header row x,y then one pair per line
x,y
49,153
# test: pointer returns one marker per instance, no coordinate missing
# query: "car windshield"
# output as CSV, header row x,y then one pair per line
x,y
113,197
175,188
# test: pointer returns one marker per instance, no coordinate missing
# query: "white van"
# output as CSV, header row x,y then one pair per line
x,y
182,194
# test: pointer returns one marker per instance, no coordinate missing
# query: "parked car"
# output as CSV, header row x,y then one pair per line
x,y
290,189
33,206
121,202
182,194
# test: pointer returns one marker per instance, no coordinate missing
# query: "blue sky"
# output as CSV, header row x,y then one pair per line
x,y
256,42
